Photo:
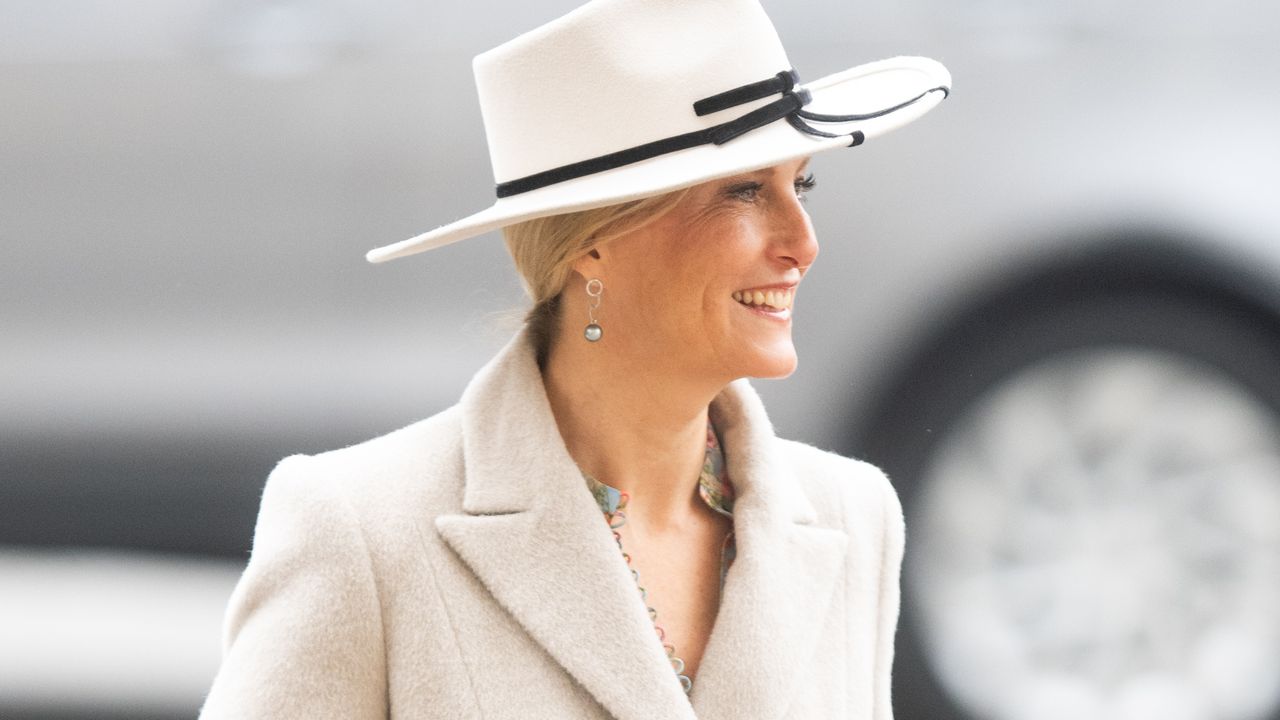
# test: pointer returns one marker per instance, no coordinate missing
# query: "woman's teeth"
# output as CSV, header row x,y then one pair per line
x,y
776,299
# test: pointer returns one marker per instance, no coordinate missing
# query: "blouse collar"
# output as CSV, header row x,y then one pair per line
x,y
714,486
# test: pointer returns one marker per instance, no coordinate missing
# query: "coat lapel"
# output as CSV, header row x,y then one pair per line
x,y
779,590
534,536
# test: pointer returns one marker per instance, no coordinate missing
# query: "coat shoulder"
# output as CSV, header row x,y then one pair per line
x,y
854,489
417,465
304,631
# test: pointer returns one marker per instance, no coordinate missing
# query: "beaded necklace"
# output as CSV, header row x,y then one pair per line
x,y
715,489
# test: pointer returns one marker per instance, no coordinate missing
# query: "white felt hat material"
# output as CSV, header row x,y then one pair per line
x,y
624,99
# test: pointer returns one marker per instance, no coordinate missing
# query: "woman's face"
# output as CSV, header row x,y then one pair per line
x,y
709,287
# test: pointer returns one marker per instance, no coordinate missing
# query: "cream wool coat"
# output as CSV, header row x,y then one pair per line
x,y
459,569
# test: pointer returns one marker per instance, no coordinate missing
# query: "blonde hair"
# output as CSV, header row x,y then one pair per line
x,y
544,250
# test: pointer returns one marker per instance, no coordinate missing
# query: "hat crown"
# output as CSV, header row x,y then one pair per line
x,y
615,74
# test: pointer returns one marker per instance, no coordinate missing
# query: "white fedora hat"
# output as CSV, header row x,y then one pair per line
x,y
624,99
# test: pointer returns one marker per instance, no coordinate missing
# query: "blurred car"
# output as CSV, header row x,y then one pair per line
x,y
1050,310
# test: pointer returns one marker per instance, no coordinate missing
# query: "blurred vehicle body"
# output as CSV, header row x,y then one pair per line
x,y
1049,309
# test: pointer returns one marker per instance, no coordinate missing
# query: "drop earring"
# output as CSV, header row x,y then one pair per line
x,y
593,331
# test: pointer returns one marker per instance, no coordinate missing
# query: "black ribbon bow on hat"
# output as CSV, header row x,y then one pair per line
x,y
789,106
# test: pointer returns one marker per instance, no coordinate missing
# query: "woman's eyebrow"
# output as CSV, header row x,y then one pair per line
x,y
758,175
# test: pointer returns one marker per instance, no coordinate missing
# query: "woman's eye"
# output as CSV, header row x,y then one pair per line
x,y
746,191
750,192
804,185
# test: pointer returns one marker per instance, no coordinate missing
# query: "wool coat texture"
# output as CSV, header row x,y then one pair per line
x,y
459,568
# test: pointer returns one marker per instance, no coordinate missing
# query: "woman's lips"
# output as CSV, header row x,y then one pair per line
x,y
763,311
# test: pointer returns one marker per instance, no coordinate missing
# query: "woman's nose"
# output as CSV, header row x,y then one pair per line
x,y
796,244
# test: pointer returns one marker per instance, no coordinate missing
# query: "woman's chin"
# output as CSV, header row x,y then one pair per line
x,y
776,363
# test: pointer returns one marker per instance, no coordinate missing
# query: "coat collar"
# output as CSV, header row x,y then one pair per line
x,y
533,535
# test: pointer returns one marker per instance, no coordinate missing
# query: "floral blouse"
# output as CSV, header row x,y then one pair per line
x,y
714,488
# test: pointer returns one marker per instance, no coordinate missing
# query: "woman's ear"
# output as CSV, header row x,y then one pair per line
x,y
589,264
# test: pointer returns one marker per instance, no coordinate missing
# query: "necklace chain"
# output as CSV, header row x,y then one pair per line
x,y
715,490
617,519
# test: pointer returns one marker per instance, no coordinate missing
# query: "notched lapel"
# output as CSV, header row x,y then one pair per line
x,y
779,591
533,535
561,579
776,600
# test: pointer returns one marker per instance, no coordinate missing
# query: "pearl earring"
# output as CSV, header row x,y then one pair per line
x,y
595,289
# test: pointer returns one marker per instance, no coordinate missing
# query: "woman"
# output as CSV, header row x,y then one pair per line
x,y
605,525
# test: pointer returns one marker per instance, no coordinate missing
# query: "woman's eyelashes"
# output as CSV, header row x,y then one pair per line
x,y
750,191
747,191
804,185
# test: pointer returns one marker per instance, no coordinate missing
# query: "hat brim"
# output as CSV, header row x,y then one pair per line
x,y
862,89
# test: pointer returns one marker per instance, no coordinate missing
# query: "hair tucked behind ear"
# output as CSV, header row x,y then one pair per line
x,y
544,250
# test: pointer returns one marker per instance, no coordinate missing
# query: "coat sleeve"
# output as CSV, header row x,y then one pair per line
x,y
890,596
302,636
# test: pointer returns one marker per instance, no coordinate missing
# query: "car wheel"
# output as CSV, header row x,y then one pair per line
x,y
1091,482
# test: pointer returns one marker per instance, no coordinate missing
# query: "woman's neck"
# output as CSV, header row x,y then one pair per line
x,y
637,426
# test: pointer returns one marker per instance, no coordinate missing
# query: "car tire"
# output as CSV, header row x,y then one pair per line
x,y
1070,331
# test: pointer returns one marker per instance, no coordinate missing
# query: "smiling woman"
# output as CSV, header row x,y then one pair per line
x,y
693,287
544,249
488,561
675,279
678,270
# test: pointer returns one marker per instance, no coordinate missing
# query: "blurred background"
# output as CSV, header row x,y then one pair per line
x,y
1050,309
